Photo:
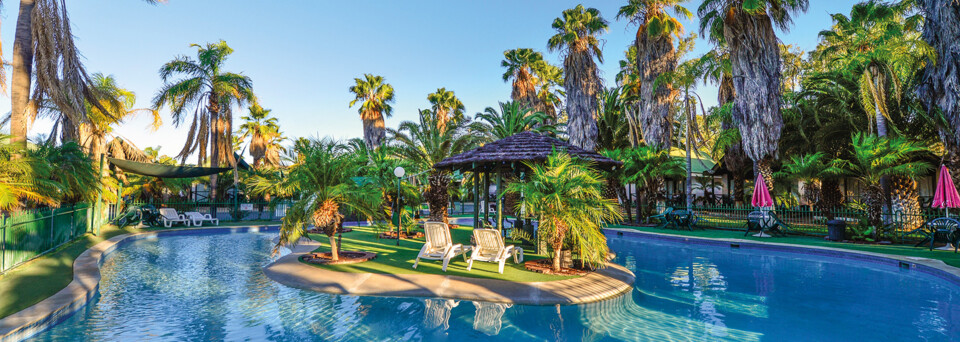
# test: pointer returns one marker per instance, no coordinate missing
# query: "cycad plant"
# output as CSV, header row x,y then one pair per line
x,y
811,169
874,158
24,179
565,195
324,183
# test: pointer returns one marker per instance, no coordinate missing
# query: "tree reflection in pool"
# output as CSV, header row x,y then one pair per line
x,y
210,287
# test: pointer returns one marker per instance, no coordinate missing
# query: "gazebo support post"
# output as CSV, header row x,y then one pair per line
x,y
486,197
500,204
476,199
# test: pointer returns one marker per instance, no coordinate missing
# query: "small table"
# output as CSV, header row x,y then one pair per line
x,y
684,218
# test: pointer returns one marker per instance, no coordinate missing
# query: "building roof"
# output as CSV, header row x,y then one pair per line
x,y
515,149
701,162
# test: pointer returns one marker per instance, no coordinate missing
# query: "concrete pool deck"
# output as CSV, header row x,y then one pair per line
x,y
606,283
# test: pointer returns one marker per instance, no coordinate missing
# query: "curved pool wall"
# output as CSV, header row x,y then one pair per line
x,y
683,291
86,282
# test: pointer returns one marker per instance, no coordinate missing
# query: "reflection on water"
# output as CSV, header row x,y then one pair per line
x,y
489,317
210,288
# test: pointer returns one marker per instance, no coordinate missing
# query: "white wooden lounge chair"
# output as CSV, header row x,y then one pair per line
x,y
197,218
489,247
170,216
439,245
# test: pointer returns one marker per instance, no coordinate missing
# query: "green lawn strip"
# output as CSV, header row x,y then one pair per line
x,y
42,277
393,259
948,257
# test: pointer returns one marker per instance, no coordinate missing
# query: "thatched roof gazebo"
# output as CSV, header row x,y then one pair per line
x,y
508,155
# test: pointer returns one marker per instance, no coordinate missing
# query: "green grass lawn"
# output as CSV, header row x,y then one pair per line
x,y
948,257
395,259
43,277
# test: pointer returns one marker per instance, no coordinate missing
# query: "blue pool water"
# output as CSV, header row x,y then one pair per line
x,y
208,288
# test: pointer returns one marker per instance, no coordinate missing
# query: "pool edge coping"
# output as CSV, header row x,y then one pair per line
x,y
606,283
934,267
86,282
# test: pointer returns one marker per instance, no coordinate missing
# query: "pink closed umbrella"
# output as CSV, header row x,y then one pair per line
x,y
761,196
946,195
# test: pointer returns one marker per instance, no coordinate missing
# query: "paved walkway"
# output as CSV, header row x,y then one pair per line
x,y
609,282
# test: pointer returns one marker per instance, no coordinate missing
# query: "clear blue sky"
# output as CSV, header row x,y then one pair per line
x,y
303,55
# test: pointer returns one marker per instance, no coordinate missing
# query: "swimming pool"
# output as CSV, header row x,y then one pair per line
x,y
210,287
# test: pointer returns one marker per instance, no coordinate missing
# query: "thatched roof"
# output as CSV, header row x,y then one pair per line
x,y
511,151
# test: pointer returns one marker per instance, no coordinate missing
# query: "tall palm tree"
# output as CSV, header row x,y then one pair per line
x,y
376,96
209,92
656,55
941,30
424,144
512,118
629,80
566,196
264,134
446,106
717,70
746,27
576,38
323,181
533,80
44,51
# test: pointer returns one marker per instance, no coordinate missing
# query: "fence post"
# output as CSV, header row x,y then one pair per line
x,y
3,244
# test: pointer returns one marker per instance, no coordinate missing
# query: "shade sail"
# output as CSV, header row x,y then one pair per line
x,y
165,171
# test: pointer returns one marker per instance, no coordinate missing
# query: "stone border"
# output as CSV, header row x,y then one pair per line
x,y
932,267
607,283
86,282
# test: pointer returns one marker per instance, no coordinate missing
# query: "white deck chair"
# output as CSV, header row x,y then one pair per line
x,y
170,216
490,248
439,245
198,218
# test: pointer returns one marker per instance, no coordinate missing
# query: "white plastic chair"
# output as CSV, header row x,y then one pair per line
x,y
170,216
198,218
439,245
489,247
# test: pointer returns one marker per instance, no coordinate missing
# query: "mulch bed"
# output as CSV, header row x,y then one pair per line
x,y
393,235
545,266
346,257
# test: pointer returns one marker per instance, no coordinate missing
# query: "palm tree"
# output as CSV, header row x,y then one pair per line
x,y
512,118
533,80
24,179
446,106
628,78
566,197
264,134
576,38
811,169
44,51
746,28
716,68
323,180
940,31
210,93
115,106
656,55
423,144
376,96
875,158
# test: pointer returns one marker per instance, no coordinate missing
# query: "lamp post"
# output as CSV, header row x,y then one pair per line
x,y
399,172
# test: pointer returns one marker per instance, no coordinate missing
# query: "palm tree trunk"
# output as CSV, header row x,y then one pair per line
x,y
765,168
334,249
940,80
22,74
213,109
831,197
582,83
689,143
755,66
373,132
438,197
905,202
654,58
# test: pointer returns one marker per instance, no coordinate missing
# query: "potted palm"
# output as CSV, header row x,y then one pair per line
x,y
566,196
